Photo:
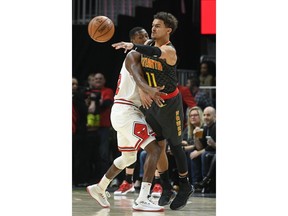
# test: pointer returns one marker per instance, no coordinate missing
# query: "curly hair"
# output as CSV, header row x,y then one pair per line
x,y
169,20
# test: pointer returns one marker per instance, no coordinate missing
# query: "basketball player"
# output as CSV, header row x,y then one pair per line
x,y
159,60
137,35
133,133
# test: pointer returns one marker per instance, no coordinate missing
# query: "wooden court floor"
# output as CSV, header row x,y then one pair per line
x,y
84,205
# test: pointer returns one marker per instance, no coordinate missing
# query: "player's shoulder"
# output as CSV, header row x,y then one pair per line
x,y
170,45
132,55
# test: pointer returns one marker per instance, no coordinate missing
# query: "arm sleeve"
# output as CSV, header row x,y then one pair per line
x,y
147,50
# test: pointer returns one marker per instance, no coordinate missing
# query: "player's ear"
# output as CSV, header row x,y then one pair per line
x,y
169,30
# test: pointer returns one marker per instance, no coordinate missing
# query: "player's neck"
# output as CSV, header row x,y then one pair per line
x,y
161,42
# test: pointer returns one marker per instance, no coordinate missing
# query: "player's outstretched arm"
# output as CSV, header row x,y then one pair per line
x,y
143,49
164,52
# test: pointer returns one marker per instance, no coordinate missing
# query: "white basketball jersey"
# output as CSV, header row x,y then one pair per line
x,y
127,90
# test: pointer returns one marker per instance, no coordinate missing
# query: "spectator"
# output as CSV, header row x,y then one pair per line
x,y
99,100
207,69
200,96
208,142
79,133
92,100
93,121
195,116
106,99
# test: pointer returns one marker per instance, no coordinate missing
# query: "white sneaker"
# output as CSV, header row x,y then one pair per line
x,y
147,205
99,195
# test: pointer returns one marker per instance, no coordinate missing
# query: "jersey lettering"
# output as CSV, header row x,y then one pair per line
x,y
151,63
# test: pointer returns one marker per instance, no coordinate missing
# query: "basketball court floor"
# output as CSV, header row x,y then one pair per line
x,y
84,205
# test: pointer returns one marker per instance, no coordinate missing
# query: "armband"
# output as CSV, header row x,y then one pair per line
x,y
147,50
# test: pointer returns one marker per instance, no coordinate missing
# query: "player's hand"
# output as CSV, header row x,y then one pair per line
x,y
156,95
146,100
124,45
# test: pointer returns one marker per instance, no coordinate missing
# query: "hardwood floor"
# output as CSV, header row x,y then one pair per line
x,y
84,205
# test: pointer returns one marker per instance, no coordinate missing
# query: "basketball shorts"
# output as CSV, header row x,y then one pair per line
x,y
167,121
133,132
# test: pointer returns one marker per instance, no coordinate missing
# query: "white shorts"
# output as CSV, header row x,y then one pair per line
x,y
133,132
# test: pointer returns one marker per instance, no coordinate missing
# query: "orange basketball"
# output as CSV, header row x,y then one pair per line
x,y
101,29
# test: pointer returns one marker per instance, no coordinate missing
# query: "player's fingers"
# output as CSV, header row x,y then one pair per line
x,y
161,93
161,87
116,44
159,102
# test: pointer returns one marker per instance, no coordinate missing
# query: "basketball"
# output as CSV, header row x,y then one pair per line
x,y
101,29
